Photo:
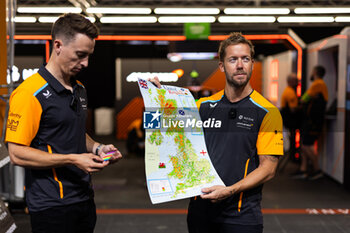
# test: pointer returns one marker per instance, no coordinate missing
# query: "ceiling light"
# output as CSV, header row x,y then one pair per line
x,y
246,19
342,19
20,19
187,11
198,55
186,19
306,19
92,19
47,19
256,11
322,10
53,9
118,10
174,57
144,19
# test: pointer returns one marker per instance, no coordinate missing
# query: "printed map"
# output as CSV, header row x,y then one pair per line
x,y
176,159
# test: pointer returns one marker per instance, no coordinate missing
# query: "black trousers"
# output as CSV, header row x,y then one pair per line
x,y
199,220
224,228
75,218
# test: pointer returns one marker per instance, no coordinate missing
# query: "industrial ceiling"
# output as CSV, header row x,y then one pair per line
x,y
307,31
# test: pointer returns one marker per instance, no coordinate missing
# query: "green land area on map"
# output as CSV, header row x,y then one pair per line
x,y
188,168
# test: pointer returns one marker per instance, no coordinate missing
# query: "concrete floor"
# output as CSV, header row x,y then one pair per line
x,y
290,206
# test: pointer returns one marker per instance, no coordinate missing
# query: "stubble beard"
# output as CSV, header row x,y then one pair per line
x,y
233,83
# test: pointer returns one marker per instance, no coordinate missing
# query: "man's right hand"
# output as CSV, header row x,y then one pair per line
x,y
89,162
28,157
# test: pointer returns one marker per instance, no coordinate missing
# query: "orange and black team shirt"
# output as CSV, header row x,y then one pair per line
x,y
250,128
317,87
289,98
46,116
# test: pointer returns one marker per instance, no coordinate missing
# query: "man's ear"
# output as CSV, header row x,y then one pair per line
x,y
57,46
221,66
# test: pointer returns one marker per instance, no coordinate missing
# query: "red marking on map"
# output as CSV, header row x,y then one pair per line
x,y
162,165
203,152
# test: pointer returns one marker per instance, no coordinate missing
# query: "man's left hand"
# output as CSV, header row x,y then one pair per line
x,y
216,193
115,156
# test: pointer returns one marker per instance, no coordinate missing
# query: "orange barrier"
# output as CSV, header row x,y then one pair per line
x,y
256,78
132,111
215,81
183,38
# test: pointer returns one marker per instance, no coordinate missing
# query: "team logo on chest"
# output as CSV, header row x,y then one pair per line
x,y
245,122
212,105
47,94
83,103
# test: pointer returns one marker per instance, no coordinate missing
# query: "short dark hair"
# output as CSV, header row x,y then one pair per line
x,y
233,39
320,71
70,24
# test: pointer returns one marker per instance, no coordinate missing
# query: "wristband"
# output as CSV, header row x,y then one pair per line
x,y
98,148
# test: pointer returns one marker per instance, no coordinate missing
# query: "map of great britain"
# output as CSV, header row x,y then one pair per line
x,y
176,159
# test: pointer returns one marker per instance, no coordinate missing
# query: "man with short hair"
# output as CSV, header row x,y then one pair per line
x,y
315,102
46,134
289,99
244,151
290,111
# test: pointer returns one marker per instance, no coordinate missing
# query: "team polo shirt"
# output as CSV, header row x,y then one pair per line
x,y
46,116
317,87
250,127
289,98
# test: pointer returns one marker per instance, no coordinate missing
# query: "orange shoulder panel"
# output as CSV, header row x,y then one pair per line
x,y
25,111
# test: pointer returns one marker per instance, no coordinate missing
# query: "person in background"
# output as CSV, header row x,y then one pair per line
x,y
290,111
314,102
244,151
46,134
135,142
